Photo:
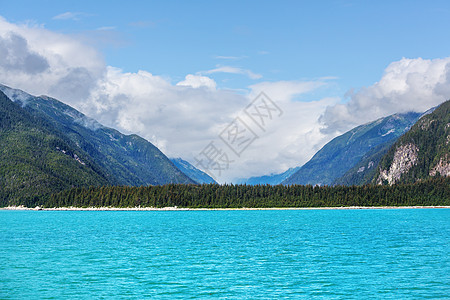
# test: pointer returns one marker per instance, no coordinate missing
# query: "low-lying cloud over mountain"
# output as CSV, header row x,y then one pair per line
x,y
183,117
407,84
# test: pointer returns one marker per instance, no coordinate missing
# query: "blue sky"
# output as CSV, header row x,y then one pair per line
x,y
280,40
345,62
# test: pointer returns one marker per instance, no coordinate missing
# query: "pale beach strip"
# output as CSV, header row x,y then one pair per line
x,y
174,208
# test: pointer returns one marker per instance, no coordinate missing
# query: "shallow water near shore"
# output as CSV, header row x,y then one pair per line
x,y
388,254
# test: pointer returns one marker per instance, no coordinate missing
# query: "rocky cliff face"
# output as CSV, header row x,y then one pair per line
x,y
405,157
421,153
442,167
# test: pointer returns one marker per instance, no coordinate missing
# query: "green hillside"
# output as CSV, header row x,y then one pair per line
x,y
423,152
36,160
364,171
126,159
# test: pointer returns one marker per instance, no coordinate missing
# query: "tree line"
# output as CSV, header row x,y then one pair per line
x,y
431,192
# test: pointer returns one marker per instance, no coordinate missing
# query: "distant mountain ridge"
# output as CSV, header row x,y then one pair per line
x,y
272,179
192,172
344,152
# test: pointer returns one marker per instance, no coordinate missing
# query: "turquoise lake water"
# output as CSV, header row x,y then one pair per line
x,y
330,254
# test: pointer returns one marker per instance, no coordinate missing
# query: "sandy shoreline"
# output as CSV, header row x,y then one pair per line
x,y
209,209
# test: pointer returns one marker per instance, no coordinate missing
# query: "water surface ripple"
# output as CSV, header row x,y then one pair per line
x,y
328,254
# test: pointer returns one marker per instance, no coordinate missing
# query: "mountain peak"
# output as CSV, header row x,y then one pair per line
x,y
115,157
345,151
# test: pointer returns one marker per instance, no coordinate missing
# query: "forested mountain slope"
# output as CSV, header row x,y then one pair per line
x,y
345,151
126,159
37,160
423,152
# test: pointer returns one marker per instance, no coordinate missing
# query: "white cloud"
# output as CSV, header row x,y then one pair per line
x,y
106,28
41,61
75,16
17,57
230,57
197,81
406,85
286,90
232,70
287,141
177,118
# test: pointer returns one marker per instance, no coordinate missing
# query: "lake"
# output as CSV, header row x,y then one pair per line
x,y
332,254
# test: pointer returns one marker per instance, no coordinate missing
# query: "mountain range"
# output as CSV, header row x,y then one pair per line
x,y
333,163
353,158
48,146
47,139
398,148
272,179
345,151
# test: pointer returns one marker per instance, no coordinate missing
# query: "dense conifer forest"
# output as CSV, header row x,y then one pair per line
x,y
432,192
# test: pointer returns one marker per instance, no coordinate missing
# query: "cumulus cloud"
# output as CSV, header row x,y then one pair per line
x,y
197,81
232,70
288,141
41,61
76,84
174,117
16,56
406,85
286,90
